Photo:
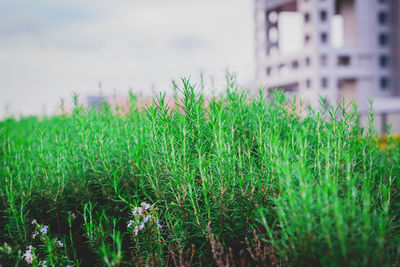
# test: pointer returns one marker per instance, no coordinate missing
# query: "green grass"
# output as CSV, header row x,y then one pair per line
x,y
239,179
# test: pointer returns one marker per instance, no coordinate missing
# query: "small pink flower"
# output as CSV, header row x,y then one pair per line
x,y
137,211
145,205
73,215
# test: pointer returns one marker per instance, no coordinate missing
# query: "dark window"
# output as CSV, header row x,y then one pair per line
x,y
295,64
324,60
324,37
383,39
343,60
324,82
269,71
308,61
323,15
307,38
384,82
382,17
383,61
308,83
307,17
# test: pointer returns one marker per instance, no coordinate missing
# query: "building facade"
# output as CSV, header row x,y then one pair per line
x,y
347,48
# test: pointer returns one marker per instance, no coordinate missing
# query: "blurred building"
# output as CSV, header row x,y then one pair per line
x,y
121,104
329,48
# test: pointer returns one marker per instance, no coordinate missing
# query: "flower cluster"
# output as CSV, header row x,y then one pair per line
x,y
142,215
39,229
28,255
54,247
42,230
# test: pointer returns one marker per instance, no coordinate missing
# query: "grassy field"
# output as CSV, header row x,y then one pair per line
x,y
239,181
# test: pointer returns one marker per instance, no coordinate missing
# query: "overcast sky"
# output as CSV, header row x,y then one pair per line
x,y
49,49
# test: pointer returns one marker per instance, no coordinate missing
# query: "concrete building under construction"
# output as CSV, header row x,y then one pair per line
x,y
339,48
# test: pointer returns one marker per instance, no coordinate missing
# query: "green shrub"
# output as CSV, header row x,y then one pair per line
x,y
239,179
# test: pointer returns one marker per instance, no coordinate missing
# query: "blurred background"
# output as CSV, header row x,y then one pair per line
x,y
330,50
322,50
50,49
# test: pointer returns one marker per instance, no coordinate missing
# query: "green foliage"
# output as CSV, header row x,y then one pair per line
x,y
262,180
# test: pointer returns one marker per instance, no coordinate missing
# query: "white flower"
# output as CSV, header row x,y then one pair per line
x,y
146,218
44,263
35,234
33,222
141,226
129,223
28,257
159,225
136,230
60,243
